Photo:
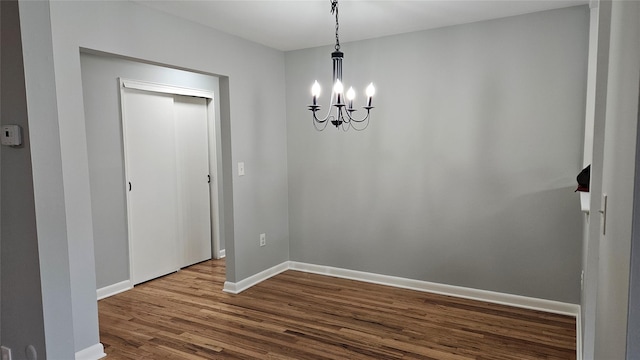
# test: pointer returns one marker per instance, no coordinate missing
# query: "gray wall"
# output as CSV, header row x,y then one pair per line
x,y
633,323
21,312
618,170
255,124
101,91
48,191
466,174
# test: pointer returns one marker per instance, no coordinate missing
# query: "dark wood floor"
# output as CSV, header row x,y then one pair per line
x,y
296,315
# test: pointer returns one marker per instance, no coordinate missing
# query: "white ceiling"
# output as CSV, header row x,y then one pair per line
x,y
297,24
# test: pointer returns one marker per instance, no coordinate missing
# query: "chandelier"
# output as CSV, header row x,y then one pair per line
x,y
344,110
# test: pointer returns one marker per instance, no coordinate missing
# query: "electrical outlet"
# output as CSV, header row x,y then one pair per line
x,y
6,353
582,280
32,354
263,239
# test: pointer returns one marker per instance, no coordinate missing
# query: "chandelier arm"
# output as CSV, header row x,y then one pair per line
x,y
315,108
346,126
318,120
368,108
353,126
320,128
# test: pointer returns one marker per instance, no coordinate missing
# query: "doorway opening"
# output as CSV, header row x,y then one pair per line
x,y
106,157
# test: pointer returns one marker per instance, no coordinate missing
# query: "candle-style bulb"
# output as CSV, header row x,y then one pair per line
x,y
351,94
315,92
370,92
338,88
315,89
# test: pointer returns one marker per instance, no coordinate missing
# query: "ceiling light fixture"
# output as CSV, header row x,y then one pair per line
x,y
343,116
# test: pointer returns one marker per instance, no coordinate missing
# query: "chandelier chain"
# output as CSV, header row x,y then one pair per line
x,y
334,9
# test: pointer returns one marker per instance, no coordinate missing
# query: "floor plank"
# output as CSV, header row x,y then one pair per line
x,y
296,315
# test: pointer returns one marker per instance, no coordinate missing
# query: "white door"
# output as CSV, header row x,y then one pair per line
x,y
150,153
167,166
193,178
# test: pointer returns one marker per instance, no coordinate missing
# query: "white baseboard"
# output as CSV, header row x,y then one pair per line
x,y
222,253
443,289
242,285
579,335
520,301
114,289
93,352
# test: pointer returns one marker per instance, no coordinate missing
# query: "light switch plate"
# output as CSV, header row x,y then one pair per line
x,y
241,169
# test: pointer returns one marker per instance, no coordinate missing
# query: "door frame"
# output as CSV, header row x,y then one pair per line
x,y
214,185
633,315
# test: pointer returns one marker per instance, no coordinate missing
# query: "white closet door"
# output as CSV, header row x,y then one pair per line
x,y
150,148
193,175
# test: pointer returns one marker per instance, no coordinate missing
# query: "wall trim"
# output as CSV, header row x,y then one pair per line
x,y
222,253
113,289
165,88
242,285
520,301
579,335
93,352
551,306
